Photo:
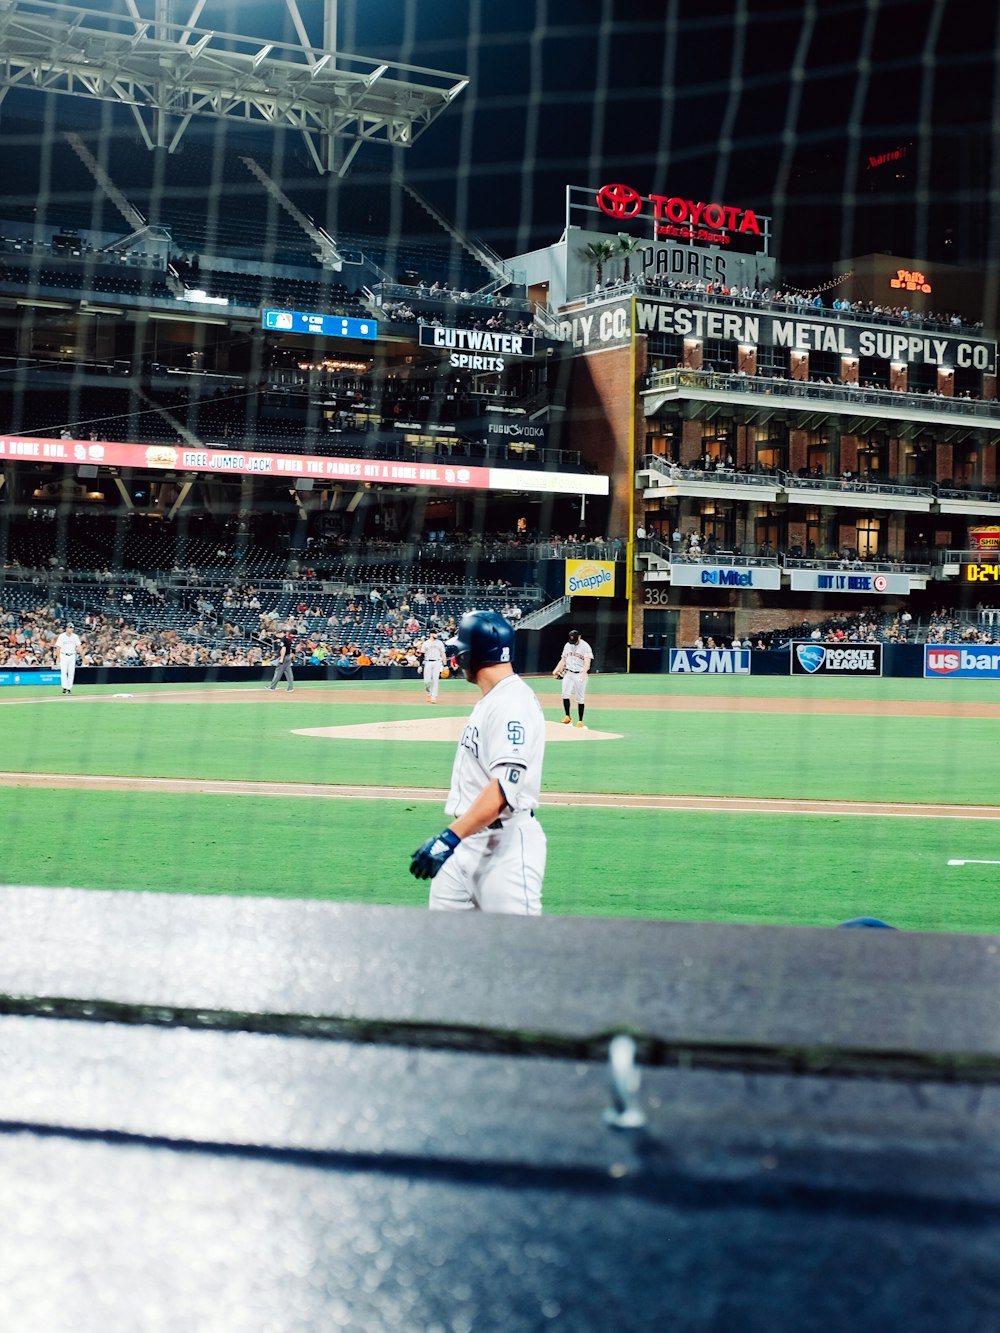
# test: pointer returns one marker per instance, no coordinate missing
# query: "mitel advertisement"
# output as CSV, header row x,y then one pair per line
x,y
960,662
30,677
724,576
828,659
710,661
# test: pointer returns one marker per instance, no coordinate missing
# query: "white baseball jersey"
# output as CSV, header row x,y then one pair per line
x,y
503,739
433,651
501,868
68,644
577,656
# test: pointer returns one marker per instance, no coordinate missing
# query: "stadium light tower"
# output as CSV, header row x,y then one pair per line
x,y
167,72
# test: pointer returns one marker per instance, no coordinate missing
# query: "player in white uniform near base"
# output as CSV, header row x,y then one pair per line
x,y
434,660
491,857
574,668
68,646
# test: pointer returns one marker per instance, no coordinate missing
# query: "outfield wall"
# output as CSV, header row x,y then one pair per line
x,y
898,659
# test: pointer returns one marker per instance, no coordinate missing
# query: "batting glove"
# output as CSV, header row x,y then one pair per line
x,y
428,859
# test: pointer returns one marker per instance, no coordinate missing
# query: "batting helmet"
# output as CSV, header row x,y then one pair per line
x,y
574,636
483,638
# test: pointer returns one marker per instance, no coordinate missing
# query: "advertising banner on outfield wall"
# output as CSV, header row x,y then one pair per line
x,y
807,580
590,578
710,661
828,659
962,662
212,458
724,576
29,677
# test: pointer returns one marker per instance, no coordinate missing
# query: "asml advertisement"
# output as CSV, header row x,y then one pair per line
x,y
710,661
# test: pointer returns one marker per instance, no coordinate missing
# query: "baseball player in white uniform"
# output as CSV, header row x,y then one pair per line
x,y
68,645
574,668
491,857
434,660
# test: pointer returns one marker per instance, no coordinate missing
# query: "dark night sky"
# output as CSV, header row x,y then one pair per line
x,y
773,106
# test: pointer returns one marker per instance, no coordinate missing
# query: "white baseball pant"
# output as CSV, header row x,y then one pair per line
x,y
498,870
574,686
432,675
67,669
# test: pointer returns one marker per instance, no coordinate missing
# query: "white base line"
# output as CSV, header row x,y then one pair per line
x,y
974,863
689,804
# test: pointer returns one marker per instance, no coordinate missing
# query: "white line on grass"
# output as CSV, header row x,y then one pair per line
x,y
974,863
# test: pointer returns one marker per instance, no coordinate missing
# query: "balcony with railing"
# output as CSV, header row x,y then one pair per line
x,y
663,387
657,557
789,305
657,474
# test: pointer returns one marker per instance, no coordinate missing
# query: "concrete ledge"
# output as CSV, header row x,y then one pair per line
x,y
726,995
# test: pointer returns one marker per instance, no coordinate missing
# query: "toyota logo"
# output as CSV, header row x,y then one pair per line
x,y
619,201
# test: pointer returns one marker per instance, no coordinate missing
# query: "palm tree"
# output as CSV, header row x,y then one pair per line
x,y
600,252
625,249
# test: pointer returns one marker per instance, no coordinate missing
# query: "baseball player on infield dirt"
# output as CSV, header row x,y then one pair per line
x,y
574,668
491,857
434,659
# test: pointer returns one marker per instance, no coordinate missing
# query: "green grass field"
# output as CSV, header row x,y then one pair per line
x,y
607,861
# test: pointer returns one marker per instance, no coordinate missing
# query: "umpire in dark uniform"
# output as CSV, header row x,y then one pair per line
x,y
283,666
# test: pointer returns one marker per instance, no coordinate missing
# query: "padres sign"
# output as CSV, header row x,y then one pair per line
x,y
590,578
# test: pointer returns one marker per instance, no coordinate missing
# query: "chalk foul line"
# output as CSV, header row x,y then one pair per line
x,y
604,800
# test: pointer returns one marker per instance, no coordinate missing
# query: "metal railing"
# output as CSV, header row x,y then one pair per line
x,y
674,555
966,556
856,396
735,559
724,476
797,308
854,485
784,480
841,565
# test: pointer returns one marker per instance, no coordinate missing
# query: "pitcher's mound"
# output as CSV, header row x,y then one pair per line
x,y
440,729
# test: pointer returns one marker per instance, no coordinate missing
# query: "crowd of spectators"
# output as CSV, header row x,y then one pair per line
x,y
27,639
869,625
384,627
799,302
499,321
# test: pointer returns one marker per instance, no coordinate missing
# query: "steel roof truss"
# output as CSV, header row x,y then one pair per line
x,y
172,69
